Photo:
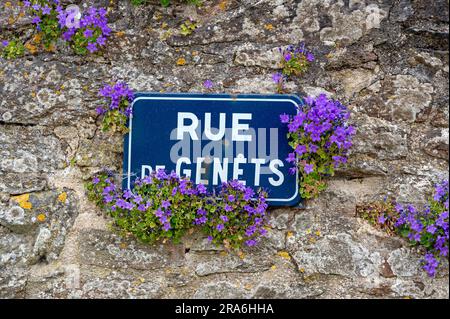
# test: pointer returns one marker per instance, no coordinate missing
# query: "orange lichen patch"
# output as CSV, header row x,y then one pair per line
x,y
241,255
301,269
26,205
268,26
37,38
123,245
51,48
273,267
289,234
31,48
181,61
223,5
62,197
11,20
41,217
120,34
248,286
284,254
318,233
22,200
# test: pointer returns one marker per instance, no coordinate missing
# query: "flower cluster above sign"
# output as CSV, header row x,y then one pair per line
x,y
212,139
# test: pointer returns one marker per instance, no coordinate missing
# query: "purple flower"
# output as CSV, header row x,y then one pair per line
x,y
431,263
313,148
291,158
95,180
165,204
91,47
107,198
300,150
159,213
310,57
277,77
224,218
88,33
36,20
228,208
220,227
210,238
431,229
309,168
250,242
284,118
287,56
381,219
208,84
201,189
166,226
231,198
5,43
100,110
46,10
101,40
127,194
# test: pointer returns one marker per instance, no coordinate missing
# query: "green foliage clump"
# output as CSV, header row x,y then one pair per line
x,y
13,49
164,207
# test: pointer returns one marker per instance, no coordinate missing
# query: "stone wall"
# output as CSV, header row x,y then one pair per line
x,y
386,59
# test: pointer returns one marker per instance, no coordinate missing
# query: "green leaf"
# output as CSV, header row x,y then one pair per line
x,y
165,3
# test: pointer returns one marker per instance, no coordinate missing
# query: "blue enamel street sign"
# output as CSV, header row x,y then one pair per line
x,y
213,138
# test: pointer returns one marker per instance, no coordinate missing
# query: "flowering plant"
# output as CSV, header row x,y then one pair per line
x,y
320,136
12,49
161,206
164,206
51,22
427,227
235,218
295,61
119,97
91,33
101,185
45,17
380,214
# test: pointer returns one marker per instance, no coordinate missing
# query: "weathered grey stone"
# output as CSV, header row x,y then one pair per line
x,y
381,139
338,255
397,262
220,290
98,283
17,219
409,97
100,248
207,264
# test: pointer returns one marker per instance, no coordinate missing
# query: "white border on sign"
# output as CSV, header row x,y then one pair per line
x,y
130,134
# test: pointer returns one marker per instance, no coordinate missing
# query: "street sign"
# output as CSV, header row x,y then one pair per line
x,y
213,138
